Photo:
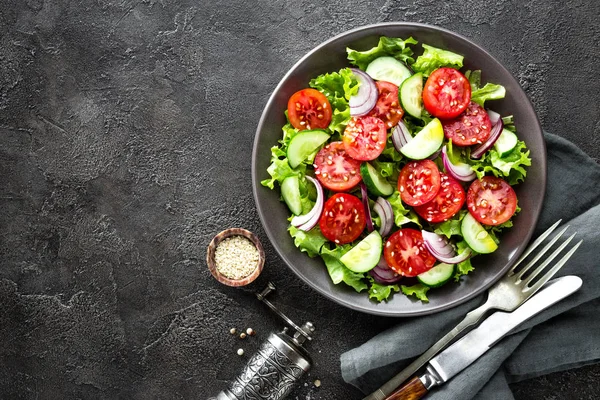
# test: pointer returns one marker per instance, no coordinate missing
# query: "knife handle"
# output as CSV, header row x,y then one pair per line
x,y
412,390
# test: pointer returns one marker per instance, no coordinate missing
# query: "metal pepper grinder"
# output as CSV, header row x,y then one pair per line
x,y
277,366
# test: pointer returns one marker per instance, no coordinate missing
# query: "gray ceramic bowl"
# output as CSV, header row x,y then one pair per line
x,y
331,56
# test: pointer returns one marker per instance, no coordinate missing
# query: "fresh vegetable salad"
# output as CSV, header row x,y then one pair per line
x,y
396,170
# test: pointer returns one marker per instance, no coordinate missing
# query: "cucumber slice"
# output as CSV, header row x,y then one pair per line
x,y
476,236
304,144
365,255
437,276
388,69
505,143
290,191
427,141
411,95
375,183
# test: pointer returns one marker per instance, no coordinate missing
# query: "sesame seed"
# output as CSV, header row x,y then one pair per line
x,y
236,257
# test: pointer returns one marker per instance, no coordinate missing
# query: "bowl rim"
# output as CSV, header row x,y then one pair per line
x,y
210,256
272,237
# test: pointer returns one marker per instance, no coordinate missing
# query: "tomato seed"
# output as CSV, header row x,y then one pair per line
x,y
324,105
353,172
389,124
474,140
456,200
319,108
356,219
494,221
337,241
324,174
329,162
345,178
302,122
401,189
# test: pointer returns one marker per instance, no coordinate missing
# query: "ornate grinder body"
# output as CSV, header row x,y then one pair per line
x,y
278,365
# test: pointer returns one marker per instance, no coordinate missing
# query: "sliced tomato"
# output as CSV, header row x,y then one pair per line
x,y
419,182
491,200
447,93
309,109
335,169
406,253
471,127
343,218
364,138
448,201
388,107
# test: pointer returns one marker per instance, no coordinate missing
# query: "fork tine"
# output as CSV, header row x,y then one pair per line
x,y
554,269
541,253
548,260
533,245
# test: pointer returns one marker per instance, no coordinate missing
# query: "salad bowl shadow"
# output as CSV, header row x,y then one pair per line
x,y
331,56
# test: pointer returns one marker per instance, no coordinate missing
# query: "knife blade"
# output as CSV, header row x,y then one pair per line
x,y
473,345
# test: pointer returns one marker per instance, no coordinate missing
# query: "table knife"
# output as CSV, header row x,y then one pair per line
x,y
473,345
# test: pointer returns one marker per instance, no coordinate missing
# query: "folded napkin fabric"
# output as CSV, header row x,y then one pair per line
x,y
567,335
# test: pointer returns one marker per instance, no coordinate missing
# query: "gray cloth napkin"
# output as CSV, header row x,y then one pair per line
x,y
564,336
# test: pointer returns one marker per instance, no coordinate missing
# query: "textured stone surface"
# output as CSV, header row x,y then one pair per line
x,y
126,130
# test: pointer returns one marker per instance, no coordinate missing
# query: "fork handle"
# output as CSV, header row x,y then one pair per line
x,y
470,319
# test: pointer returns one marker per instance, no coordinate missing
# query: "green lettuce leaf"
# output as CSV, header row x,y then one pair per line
x,y
279,169
402,215
419,291
463,268
338,87
474,78
452,226
491,91
510,167
338,271
380,292
434,58
309,242
394,47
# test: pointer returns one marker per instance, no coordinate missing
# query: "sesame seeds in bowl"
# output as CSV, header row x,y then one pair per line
x,y
235,257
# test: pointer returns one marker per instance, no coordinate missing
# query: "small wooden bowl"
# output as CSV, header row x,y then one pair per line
x,y
210,257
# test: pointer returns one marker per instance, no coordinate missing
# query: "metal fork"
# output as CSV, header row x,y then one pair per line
x,y
507,294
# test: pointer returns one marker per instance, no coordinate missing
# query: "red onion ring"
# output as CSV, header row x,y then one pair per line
x,y
494,117
384,209
462,172
401,136
485,146
307,221
365,200
383,274
442,249
366,98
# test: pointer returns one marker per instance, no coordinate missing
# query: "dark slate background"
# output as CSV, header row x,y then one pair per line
x,y
126,130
